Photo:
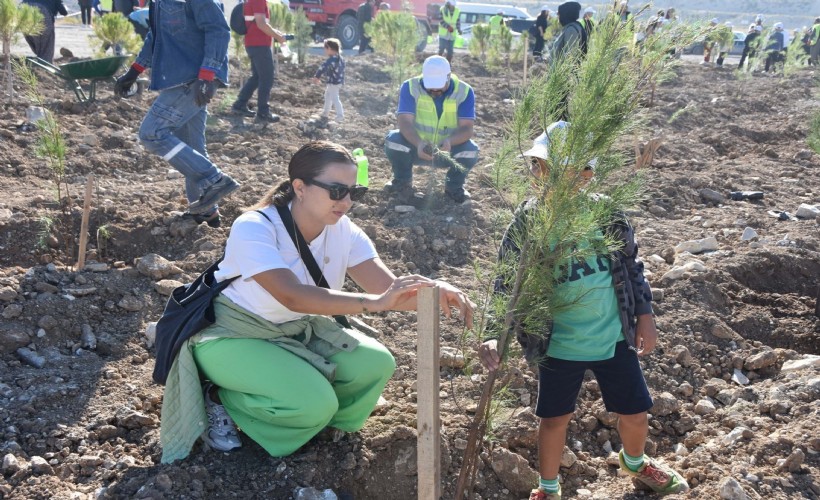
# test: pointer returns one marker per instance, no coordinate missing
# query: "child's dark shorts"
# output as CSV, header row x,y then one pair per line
x,y
620,379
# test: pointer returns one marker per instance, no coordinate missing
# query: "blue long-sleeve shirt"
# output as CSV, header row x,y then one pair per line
x,y
334,69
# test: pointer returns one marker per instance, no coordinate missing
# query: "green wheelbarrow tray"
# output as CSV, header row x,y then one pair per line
x,y
94,70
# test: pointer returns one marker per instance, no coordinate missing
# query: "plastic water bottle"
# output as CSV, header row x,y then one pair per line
x,y
362,164
286,53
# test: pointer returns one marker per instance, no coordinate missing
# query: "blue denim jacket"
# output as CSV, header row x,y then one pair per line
x,y
185,36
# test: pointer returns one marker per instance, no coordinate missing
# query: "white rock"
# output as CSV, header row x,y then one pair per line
x,y
739,378
96,267
657,259
151,333
5,215
704,407
568,458
681,450
10,464
748,234
174,174
678,271
697,246
404,208
735,435
809,361
607,446
730,490
807,211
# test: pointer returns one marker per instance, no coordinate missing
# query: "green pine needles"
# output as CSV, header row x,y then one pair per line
x,y
16,20
395,34
302,34
115,30
566,218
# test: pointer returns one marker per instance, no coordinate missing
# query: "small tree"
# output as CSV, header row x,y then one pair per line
x,y
115,30
480,42
395,34
302,34
16,20
51,146
599,94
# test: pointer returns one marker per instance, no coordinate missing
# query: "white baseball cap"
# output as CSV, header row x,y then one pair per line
x,y
435,72
714,20
541,145
545,8
589,10
778,26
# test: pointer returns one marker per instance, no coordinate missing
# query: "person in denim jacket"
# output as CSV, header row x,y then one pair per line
x,y
187,51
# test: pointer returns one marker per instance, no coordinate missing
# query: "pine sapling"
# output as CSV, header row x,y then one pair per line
x,y
565,218
115,31
16,19
302,34
395,34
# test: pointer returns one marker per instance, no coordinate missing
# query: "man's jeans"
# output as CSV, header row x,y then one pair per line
x,y
403,155
261,79
174,128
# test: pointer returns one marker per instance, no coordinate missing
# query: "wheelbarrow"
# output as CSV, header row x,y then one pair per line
x,y
95,70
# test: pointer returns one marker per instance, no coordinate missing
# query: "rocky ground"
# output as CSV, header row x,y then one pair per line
x,y
736,377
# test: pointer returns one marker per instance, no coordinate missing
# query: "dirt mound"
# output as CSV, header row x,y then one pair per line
x,y
735,388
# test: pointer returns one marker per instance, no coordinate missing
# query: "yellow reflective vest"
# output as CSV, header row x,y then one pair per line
x,y
428,124
495,24
451,18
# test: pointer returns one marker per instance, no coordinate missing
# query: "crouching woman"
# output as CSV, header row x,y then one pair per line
x,y
275,362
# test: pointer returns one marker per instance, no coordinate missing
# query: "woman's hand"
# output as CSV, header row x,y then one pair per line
x,y
488,355
450,296
399,291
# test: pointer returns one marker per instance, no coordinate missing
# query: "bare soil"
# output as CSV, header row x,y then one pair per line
x,y
92,415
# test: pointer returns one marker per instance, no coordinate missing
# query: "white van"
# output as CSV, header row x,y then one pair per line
x,y
474,13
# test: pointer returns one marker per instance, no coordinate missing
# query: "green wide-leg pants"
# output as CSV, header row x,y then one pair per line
x,y
280,401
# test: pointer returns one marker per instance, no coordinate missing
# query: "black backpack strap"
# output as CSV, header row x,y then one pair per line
x,y
304,252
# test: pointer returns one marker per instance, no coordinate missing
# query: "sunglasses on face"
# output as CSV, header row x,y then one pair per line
x,y
339,191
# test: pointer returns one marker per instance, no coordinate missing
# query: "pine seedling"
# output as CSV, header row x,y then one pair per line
x,y
813,140
504,44
302,34
16,19
796,58
281,17
115,30
50,146
480,42
395,34
562,221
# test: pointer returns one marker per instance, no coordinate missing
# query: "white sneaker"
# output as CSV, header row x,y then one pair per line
x,y
221,433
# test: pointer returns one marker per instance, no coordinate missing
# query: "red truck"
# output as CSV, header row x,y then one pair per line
x,y
338,17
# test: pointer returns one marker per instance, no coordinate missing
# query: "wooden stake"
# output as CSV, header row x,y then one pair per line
x,y
89,186
428,424
644,159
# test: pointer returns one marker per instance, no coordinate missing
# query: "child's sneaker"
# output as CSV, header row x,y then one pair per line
x,y
660,478
539,494
221,433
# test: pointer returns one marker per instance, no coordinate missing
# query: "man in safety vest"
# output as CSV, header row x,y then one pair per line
x,y
448,27
496,22
815,42
436,114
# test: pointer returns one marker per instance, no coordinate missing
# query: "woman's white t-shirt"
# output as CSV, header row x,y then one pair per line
x,y
256,245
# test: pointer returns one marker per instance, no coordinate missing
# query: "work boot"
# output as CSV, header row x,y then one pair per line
x,y
266,118
458,195
212,194
242,111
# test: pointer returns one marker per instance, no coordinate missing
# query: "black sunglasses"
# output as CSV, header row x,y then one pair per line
x,y
339,191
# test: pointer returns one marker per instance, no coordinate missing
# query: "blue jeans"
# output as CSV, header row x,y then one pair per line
x,y
403,155
174,128
261,79
446,46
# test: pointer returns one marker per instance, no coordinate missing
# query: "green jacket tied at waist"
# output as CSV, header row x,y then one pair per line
x,y
312,338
